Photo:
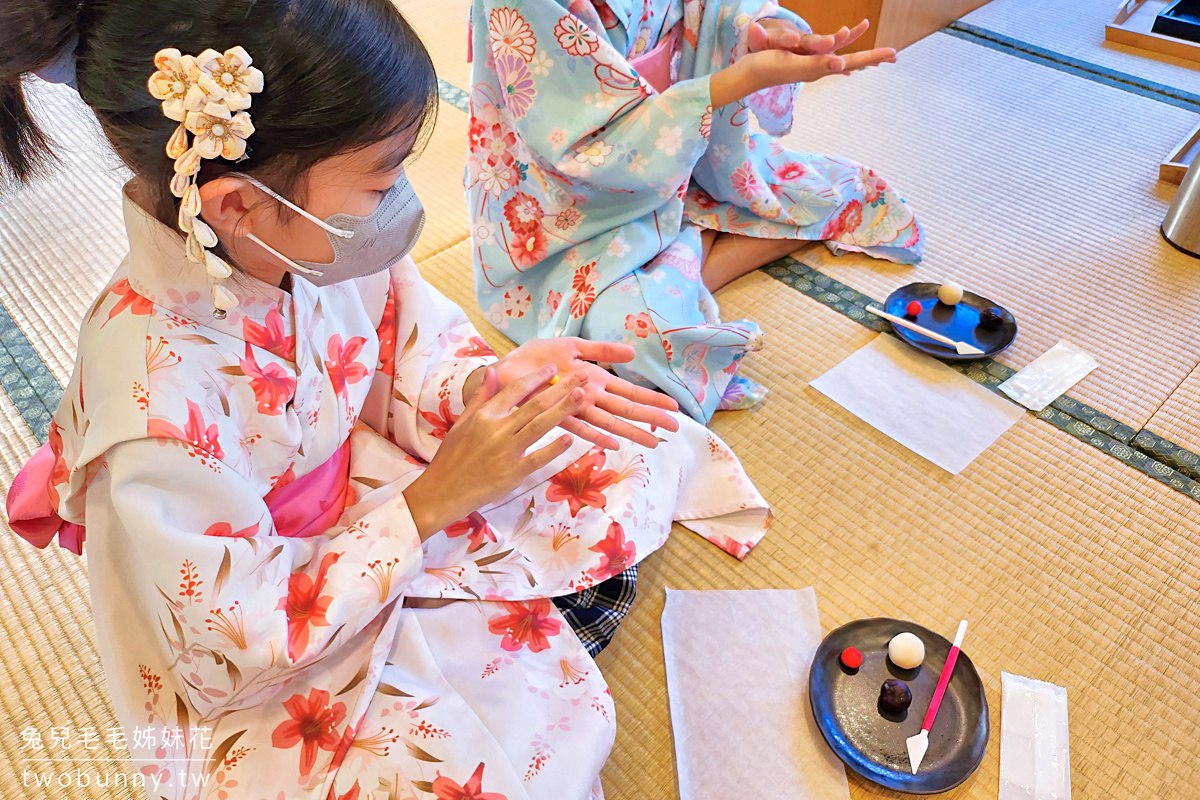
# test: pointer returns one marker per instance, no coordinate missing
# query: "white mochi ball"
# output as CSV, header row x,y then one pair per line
x,y
906,650
950,293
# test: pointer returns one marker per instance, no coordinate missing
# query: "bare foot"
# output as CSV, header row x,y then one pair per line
x,y
728,256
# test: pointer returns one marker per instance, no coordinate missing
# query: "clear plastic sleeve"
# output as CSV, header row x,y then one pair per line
x,y
1049,376
1035,755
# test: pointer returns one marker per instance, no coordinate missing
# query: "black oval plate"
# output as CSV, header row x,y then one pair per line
x,y
960,322
846,707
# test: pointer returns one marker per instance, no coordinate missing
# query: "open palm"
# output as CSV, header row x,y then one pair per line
x,y
612,403
786,54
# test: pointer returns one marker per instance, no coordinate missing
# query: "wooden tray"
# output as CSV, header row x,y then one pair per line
x,y
1131,26
1175,165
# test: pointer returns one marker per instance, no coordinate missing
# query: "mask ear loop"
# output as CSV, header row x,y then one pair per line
x,y
339,232
282,257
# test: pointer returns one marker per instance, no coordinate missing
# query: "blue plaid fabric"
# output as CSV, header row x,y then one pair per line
x,y
595,613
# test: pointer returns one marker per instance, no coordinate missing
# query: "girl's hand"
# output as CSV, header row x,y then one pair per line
x,y
780,34
483,458
781,55
609,401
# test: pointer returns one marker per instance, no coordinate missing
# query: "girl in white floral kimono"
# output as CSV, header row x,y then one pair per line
x,y
325,523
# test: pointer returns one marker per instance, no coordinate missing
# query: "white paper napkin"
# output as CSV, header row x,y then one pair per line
x,y
920,402
737,677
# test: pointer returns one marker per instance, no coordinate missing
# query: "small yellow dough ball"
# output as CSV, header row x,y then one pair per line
x,y
906,650
950,293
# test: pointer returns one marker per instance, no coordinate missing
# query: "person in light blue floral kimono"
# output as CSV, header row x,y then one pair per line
x,y
614,180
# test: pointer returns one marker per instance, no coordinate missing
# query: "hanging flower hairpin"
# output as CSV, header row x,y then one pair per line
x,y
208,96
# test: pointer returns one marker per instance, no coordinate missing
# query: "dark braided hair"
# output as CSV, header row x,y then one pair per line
x,y
339,75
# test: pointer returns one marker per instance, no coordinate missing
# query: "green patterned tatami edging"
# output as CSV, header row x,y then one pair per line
x,y
1142,450
1178,458
25,377
453,95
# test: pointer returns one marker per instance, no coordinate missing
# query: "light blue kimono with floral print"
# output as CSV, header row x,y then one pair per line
x,y
588,187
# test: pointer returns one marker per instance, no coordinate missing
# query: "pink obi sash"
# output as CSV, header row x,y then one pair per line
x,y
655,65
306,506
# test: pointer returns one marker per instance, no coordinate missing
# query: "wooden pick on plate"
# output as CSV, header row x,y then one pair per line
x,y
918,744
963,348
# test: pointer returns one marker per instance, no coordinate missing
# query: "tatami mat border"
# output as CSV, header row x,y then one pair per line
x,y
453,95
1178,458
25,377
1074,66
1066,413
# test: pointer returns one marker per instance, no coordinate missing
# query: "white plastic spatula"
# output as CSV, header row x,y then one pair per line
x,y
963,348
918,744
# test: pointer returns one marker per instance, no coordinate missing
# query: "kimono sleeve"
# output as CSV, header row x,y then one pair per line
x,y
589,116
776,11
456,351
774,108
189,549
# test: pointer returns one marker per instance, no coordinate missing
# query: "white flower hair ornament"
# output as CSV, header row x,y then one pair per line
x,y
208,95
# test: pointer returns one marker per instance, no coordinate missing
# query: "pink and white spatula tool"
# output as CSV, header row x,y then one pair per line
x,y
918,744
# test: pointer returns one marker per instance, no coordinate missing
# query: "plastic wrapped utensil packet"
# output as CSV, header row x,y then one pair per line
x,y
1035,754
1049,376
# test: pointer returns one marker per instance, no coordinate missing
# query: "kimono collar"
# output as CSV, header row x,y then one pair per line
x,y
160,271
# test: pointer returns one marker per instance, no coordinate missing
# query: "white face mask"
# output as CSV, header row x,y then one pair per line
x,y
361,245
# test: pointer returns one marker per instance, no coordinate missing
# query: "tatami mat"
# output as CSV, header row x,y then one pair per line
x,y
442,25
437,176
61,237
1179,417
50,675
1071,566
1075,28
1037,189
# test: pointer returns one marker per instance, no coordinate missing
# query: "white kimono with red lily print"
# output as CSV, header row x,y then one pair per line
x,y
248,664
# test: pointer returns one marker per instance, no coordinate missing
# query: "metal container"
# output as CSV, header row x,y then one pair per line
x,y
1181,227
